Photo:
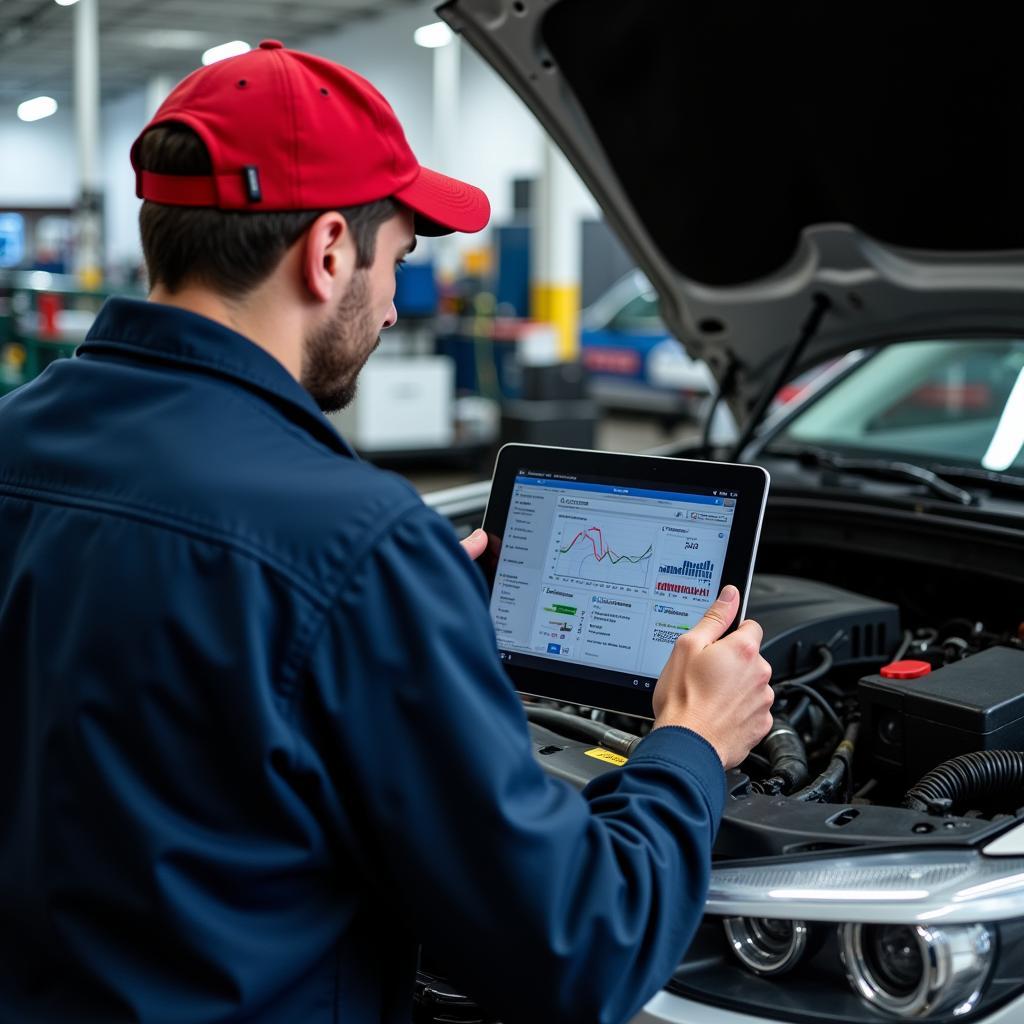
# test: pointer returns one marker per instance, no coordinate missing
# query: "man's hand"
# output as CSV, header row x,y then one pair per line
x,y
718,687
475,544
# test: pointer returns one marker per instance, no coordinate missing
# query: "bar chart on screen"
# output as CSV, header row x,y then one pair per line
x,y
689,562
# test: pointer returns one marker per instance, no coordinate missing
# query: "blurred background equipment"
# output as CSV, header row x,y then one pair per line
x,y
540,329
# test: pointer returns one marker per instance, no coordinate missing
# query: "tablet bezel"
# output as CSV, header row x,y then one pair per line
x,y
751,482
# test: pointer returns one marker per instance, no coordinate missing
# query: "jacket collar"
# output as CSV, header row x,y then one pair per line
x,y
137,329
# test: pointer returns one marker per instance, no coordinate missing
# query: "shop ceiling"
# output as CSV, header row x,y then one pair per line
x,y
140,39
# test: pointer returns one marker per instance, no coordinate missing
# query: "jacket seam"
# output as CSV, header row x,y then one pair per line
x,y
241,387
168,521
293,430
302,652
228,373
101,347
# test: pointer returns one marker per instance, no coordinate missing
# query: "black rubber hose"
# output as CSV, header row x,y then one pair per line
x,y
823,667
798,710
788,758
838,773
583,728
820,701
958,783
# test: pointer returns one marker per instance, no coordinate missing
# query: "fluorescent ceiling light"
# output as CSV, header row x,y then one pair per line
x,y
433,36
232,49
38,108
66,3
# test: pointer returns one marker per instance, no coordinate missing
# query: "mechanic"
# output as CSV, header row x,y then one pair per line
x,y
256,742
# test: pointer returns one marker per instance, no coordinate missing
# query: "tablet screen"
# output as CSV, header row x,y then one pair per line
x,y
598,576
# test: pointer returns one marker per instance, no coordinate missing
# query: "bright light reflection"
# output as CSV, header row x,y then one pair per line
x,y
225,50
433,36
40,279
1011,882
66,3
1008,439
38,108
849,895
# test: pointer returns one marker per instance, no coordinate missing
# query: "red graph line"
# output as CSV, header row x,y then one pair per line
x,y
605,551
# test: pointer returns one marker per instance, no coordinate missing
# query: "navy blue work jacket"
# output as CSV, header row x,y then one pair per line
x,y
256,743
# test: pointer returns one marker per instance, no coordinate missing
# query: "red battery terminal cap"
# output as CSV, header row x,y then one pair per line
x,y
905,669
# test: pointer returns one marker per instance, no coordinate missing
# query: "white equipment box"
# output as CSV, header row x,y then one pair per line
x,y
402,403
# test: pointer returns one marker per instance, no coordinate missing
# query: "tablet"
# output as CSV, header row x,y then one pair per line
x,y
597,562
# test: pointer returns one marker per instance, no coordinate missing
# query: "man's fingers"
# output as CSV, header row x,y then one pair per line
x,y
751,629
718,618
475,544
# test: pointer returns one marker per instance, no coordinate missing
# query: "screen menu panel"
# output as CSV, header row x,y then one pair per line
x,y
607,576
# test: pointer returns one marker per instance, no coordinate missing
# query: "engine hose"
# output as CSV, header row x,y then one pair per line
x,y
962,780
901,651
584,728
825,662
834,778
799,709
788,758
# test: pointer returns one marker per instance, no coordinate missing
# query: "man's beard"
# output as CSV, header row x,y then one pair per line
x,y
336,351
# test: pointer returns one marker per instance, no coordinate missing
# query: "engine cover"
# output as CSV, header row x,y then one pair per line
x,y
799,615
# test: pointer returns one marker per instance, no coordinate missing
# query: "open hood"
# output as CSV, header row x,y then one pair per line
x,y
761,159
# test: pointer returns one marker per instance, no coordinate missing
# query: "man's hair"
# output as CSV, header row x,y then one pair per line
x,y
230,251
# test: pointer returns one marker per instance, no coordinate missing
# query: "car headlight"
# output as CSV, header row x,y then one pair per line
x,y
915,971
926,935
766,945
926,886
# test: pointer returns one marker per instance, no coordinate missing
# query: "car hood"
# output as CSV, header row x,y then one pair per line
x,y
760,160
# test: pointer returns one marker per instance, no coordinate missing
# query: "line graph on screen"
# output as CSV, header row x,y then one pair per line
x,y
606,551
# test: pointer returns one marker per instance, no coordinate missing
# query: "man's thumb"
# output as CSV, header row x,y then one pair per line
x,y
475,544
718,618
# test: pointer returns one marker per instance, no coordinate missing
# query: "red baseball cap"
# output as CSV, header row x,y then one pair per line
x,y
289,131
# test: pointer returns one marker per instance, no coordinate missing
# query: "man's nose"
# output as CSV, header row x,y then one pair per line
x,y
391,319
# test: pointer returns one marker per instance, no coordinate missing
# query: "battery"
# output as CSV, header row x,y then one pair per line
x,y
913,725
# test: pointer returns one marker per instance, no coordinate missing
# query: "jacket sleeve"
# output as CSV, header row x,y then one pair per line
x,y
590,899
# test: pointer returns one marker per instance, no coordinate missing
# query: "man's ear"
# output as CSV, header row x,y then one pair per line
x,y
328,258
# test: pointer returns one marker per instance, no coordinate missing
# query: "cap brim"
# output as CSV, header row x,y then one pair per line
x,y
443,205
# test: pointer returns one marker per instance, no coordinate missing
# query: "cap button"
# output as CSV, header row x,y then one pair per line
x,y
905,670
271,44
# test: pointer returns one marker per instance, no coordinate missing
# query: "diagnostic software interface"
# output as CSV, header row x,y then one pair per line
x,y
602,577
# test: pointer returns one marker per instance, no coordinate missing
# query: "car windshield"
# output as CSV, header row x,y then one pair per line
x,y
954,403
639,313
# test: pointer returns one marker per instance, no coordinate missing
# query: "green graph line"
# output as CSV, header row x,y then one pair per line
x,y
605,552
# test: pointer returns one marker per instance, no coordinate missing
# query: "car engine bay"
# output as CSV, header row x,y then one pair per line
x,y
929,754
897,650
917,732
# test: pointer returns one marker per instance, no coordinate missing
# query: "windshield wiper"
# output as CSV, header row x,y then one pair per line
x,y
887,469
988,479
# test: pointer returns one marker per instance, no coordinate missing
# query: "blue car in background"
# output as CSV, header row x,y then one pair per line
x,y
633,361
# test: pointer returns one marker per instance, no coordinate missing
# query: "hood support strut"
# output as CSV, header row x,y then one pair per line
x,y
724,389
820,306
